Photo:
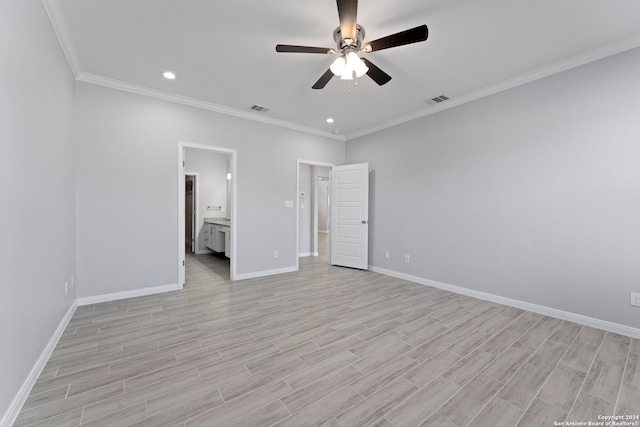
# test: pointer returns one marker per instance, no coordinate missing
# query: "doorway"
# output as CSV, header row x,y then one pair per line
x,y
313,199
213,209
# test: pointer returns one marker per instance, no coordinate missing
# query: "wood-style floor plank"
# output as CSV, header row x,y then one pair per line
x,y
327,346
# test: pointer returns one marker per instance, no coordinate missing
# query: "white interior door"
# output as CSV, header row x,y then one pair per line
x,y
350,216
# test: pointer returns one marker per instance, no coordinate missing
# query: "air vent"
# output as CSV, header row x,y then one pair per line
x,y
259,108
436,100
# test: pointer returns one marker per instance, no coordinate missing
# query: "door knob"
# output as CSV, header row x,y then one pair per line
x,y
364,221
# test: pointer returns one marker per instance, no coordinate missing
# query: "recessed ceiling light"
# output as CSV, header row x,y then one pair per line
x,y
169,75
329,120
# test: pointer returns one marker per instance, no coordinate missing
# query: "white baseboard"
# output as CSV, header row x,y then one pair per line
x,y
540,309
264,273
306,254
128,294
14,409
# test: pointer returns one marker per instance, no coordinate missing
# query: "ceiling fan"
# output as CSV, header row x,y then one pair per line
x,y
348,37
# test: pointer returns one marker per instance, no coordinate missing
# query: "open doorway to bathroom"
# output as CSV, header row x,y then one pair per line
x,y
207,223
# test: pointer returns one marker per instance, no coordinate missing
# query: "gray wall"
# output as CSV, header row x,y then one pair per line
x,y
531,194
212,187
323,206
37,243
126,152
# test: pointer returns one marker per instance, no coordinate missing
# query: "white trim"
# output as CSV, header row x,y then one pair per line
x,y
307,254
12,412
540,309
182,256
61,29
182,145
128,294
197,211
205,105
265,273
540,73
314,212
522,79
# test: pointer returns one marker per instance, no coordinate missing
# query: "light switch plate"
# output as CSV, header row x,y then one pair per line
x,y
288,203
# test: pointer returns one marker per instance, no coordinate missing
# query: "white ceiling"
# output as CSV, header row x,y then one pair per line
x,y
223,52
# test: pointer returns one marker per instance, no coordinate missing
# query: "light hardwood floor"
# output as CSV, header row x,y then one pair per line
x,y
327,346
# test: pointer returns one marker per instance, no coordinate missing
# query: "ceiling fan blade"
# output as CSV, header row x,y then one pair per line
x,y
414,35
322,81
303,49
348,12
376,74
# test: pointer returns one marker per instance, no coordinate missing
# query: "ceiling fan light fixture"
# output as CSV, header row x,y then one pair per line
x,y
360,67
352,65
338,66
355,64
349,38
346,65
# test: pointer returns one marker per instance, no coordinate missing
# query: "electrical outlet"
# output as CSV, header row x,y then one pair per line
x,y
635,299
407,259
386,254
275,254
66,288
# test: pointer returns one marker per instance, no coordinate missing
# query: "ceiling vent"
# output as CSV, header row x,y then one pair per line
x,y
437,100
259,108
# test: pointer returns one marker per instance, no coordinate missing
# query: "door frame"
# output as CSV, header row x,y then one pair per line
x,y
182,146
311,163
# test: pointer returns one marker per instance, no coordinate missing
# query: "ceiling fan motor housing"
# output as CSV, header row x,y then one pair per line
x,y
346,45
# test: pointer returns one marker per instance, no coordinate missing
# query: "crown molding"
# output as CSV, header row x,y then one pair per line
x,y
54,11
61,29
520,80
166,96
